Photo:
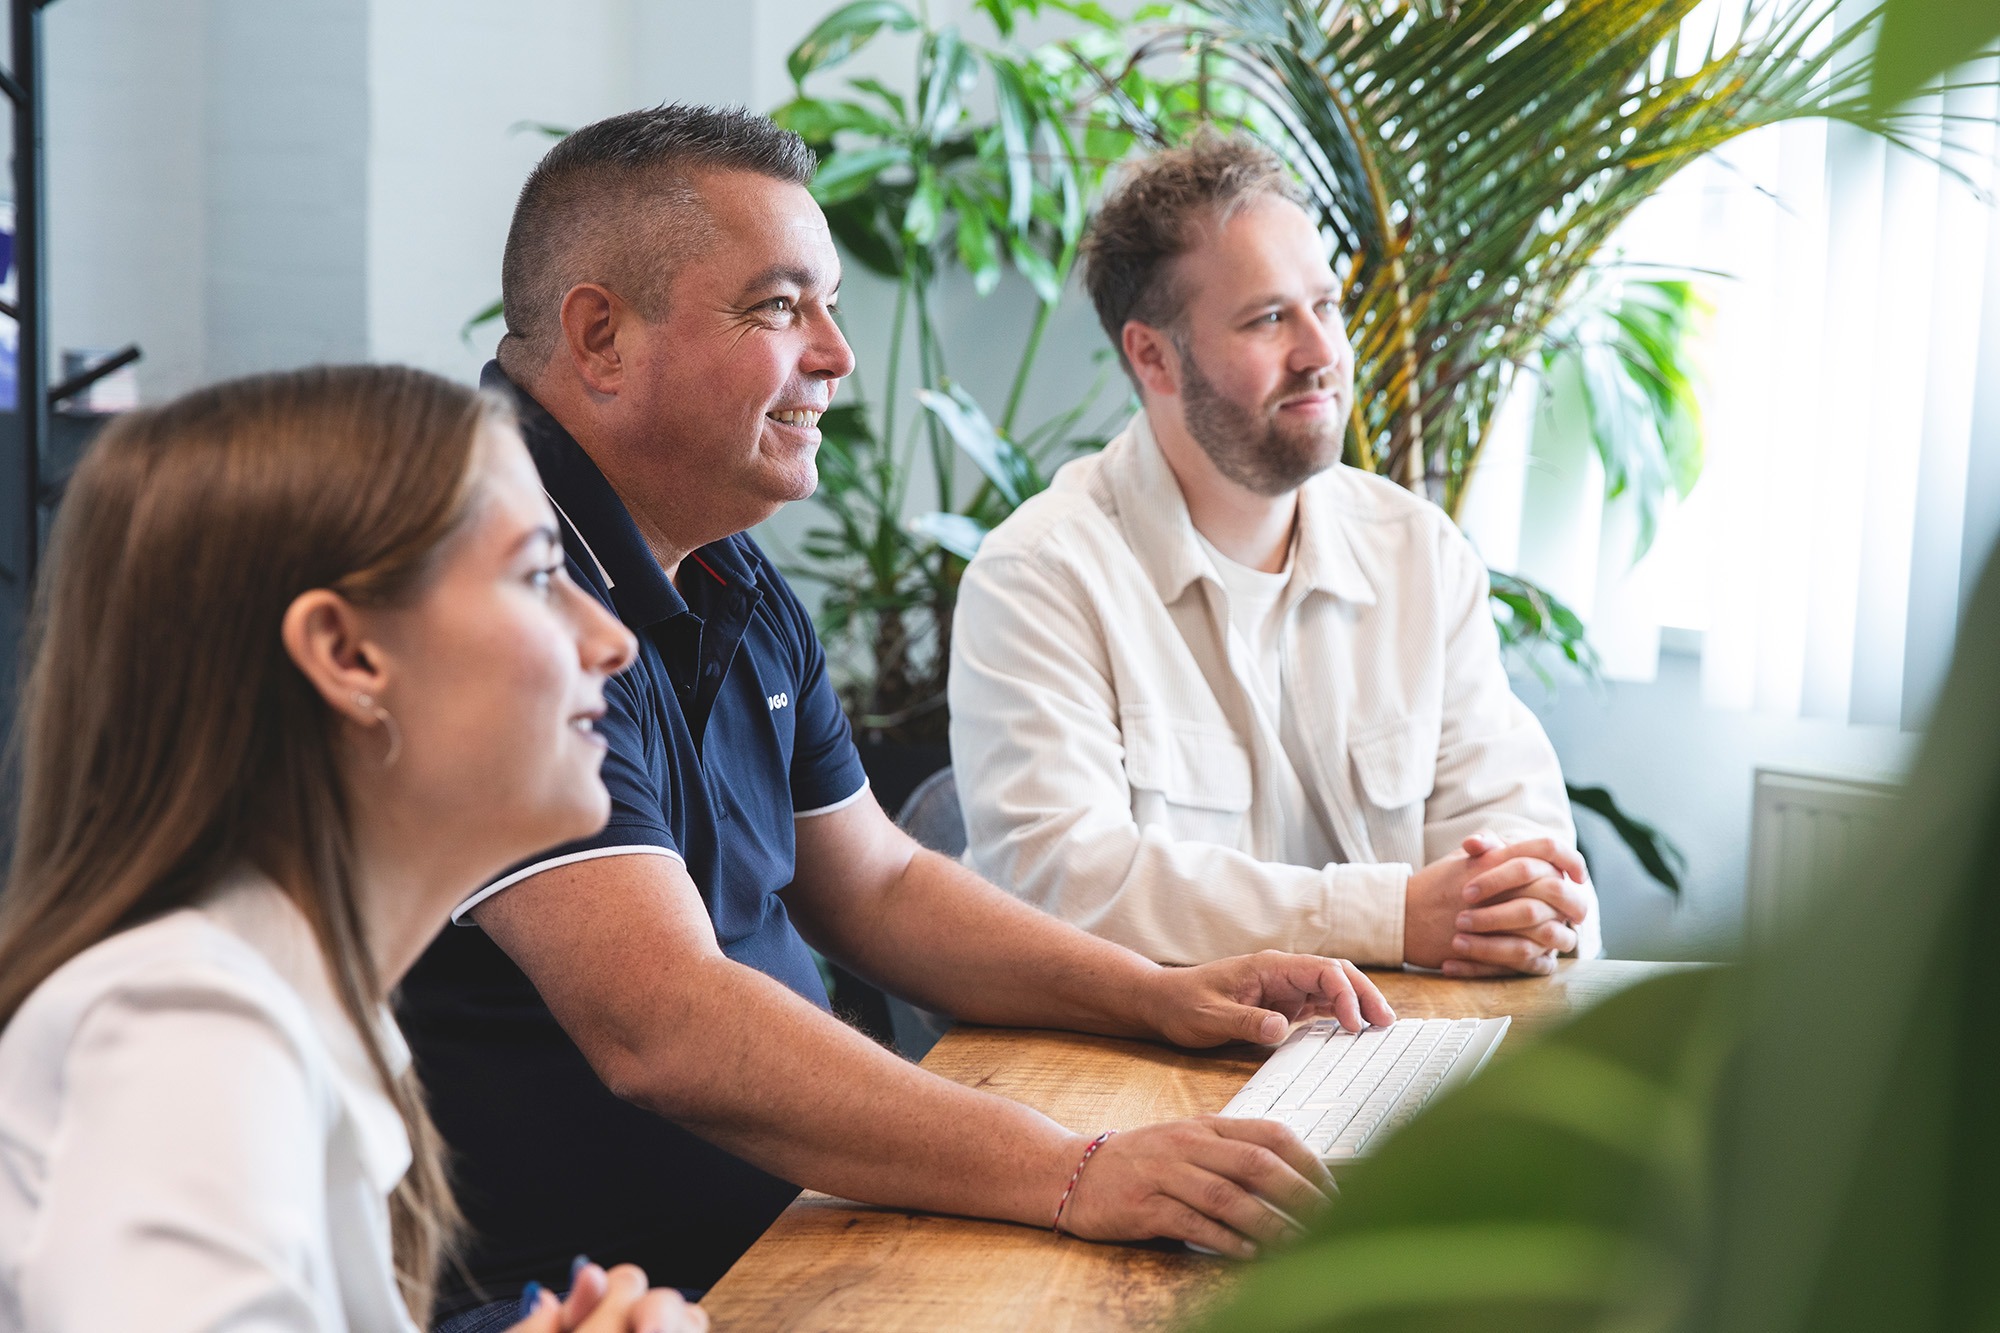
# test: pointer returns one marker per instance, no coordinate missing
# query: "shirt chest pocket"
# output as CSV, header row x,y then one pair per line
x,y
1395,767
1192,778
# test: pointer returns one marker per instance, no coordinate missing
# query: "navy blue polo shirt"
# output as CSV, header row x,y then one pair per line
x,y
723,730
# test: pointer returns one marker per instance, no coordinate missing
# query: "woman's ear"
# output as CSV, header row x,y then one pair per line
x,y
324,636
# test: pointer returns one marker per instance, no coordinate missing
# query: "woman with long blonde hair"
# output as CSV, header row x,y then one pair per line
x,y
306,670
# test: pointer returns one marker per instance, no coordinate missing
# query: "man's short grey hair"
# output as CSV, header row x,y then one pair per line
x,y
616,203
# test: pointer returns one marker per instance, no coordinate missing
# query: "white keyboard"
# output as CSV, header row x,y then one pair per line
x,y
1344,1092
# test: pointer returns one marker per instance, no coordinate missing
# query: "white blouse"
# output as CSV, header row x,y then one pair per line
x,y
192,1137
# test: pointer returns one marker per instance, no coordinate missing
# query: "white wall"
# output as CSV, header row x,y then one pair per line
x,y
127,182
449,83
286,149
238,185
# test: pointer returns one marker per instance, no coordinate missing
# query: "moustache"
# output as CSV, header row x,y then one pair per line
x,y
1317,382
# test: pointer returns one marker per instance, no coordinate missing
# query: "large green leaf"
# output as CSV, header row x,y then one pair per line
x,y
1012,472
1036,268
1922,39
817,120
1628,346
1659,857
846,175
1530,618
845,31
924,215
1016,119
975,244
960,534
951,69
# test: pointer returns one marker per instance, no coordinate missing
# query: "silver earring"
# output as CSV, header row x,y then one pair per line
x,y
366,703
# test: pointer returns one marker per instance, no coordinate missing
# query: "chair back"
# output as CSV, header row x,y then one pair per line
x,y
932,815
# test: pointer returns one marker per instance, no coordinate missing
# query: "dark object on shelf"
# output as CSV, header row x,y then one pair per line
x,y
81,382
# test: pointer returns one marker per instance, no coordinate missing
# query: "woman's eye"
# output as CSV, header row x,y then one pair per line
x,y
542,578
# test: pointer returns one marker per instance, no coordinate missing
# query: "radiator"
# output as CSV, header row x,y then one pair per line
x,y
1802,829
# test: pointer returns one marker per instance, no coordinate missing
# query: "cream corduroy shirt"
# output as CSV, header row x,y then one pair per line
x,y
1111,765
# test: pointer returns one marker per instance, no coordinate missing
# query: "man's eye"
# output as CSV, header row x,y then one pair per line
x,y
781,304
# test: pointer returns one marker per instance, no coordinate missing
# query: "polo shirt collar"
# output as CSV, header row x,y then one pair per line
x,y
1155,517
598,522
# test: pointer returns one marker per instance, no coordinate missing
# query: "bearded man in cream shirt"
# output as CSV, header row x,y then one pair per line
x,y
1213,691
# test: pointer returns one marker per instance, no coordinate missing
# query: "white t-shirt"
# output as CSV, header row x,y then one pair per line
x,y
1258,614
192,1137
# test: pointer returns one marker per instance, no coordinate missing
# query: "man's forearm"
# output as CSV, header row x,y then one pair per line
x,y
942,937
753,1068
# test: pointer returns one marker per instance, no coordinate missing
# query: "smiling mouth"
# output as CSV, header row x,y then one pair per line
x,y
799,418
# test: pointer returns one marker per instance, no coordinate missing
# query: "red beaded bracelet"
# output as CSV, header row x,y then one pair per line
x,y
1076,1175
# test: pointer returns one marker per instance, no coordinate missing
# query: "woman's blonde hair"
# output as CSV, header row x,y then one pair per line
x,y
165,735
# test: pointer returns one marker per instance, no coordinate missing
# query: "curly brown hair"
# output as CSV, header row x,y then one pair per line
x,y
1160,210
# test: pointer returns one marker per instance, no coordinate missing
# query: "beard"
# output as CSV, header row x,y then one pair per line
x,y
1258,450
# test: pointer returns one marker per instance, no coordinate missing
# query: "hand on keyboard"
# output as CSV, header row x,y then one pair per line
x,y
1205,1181
1257,997
1339,1091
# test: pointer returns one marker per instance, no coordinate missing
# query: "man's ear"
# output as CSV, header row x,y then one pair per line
x,y
323,635
1155,361
591,317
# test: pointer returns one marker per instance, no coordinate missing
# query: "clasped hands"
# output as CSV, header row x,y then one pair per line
x,y
1495,909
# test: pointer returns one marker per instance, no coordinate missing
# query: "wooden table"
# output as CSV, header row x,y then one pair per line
x,y
828,1264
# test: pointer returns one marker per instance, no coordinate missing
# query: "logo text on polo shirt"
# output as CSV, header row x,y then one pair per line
x,y
778,701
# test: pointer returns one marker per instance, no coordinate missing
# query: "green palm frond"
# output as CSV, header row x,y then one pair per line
x,y
1470,158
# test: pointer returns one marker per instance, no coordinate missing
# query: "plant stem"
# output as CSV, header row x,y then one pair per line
x,y
1043,314
931,359
895,363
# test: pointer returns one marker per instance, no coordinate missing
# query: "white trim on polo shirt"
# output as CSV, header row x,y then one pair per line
x,y
602,572
840,804
635,849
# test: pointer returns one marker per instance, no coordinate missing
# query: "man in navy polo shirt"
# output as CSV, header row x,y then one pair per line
x,y
632,1054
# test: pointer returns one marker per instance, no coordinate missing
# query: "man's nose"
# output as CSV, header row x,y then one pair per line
x,y
1322,348
829,357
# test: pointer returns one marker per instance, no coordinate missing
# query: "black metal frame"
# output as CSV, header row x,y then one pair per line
x,y
23,86
34,395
